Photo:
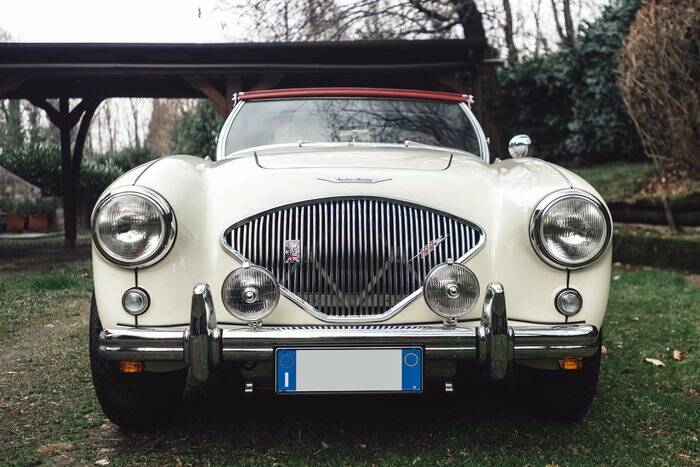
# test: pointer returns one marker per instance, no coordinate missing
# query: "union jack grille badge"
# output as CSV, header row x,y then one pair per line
x,y
292,251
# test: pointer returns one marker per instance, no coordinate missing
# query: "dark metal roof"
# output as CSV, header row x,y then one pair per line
x,y
162,70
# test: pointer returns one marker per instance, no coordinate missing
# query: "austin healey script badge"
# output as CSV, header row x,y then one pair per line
x,y
292,251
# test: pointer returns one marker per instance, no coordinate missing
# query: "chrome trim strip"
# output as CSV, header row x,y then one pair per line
x,y
536,221
168,219
244,343
225,129
483,141
402,243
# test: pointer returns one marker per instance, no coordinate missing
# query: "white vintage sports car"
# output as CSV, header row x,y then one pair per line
x,y
348,240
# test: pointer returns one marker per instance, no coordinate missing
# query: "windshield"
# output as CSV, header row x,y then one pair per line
x,y
319,120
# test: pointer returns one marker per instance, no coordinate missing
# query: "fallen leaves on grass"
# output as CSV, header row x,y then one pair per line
x,y
102,462
579,449
654,361
678,355
54,448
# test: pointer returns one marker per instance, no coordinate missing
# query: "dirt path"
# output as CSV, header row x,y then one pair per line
x,y
21,261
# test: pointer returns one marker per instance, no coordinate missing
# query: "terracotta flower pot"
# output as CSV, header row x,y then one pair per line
x,y
14,223
38,222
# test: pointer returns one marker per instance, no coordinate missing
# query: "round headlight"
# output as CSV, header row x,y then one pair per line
x,y
250,293
133,228
451,290
570,229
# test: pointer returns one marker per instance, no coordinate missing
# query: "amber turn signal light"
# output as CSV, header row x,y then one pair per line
x,y
128,366
570,363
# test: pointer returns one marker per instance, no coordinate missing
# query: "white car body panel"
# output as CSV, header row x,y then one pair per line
x,y
208,197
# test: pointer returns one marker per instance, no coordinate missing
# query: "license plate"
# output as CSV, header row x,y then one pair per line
x,y
318,370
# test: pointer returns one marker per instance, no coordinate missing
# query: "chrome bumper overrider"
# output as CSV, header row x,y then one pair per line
x,y
203,345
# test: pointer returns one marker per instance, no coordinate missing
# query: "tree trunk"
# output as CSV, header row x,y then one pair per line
x,y
470,19
15,135
472,23
135,114
508,31
569,23
565,32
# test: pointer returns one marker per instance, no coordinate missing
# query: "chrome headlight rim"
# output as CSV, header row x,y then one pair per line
x,y
165,211
258,318
536,222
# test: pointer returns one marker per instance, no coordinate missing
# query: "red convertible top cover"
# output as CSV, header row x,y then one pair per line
x,y
354,92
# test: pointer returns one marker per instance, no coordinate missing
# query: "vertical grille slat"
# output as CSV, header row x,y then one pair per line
x,y
359,257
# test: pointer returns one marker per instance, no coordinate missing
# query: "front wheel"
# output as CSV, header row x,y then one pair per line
x,y
557,394
132,400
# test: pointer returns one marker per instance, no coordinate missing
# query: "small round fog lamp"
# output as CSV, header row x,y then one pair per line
x,y
569,302
135,301
250,293
451,290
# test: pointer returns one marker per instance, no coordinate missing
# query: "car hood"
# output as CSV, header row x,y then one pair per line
x,y
238,187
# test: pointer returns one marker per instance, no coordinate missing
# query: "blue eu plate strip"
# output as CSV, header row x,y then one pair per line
x,y
286,370
411,369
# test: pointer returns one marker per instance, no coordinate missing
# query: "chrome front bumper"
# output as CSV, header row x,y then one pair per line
x,y
203,345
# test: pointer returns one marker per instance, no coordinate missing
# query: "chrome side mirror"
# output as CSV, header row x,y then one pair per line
x,y
519,146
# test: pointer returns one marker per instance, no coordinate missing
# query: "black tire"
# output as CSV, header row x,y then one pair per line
x,y
137,400
564,396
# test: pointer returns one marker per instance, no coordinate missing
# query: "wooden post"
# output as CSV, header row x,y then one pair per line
x,y
70,191
211,92
65,120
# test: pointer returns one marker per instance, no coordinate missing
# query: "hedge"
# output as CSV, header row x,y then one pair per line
x,y
40,164
568,101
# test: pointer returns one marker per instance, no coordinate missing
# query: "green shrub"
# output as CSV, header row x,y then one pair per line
x,y
96,176
195,132
37,163
40,164
568,101
128,158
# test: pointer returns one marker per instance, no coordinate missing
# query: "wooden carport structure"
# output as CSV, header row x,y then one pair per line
x,y
94,72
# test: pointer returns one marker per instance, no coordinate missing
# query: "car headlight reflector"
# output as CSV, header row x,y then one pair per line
x,y
570,229
451,290
134,227
250,293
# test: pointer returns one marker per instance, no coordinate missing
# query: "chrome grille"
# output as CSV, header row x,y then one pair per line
x,y
358,257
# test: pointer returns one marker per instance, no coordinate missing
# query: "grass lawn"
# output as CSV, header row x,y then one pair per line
x,y
619,181
642,414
